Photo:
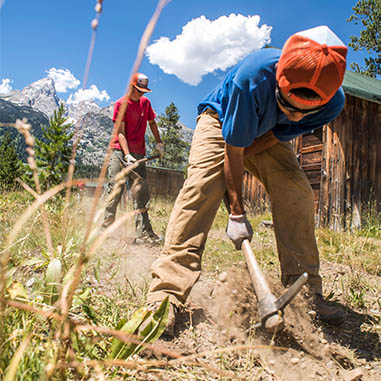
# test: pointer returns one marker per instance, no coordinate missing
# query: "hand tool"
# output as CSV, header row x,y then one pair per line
x,y
136,182
269,307
143,160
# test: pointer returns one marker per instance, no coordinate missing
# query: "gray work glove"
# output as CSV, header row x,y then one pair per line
x,y
159,148
129,159
238,229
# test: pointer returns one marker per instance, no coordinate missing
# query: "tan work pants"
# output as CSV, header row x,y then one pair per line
x,y
140,197
179,266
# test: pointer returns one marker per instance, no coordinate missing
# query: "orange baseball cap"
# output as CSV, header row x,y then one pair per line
x,y
313,59
140,81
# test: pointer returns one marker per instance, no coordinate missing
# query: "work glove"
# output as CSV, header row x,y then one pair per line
x,y
238,229
160,149
129,159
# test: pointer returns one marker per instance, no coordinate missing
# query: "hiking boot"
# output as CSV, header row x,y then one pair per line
x,y
169,331
107,222
150,238
326,312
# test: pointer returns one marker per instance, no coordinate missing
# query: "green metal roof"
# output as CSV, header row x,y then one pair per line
x,y
362,86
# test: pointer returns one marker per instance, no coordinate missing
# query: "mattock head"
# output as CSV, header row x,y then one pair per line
x,y
271,309
274,322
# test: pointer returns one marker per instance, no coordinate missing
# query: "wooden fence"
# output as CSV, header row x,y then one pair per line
x,y
164,182
161,182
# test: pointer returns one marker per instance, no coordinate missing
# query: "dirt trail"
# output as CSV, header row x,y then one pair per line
x,y
221,312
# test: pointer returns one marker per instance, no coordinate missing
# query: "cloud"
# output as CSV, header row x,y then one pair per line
x,y
90,94
205,46
63,79
5,86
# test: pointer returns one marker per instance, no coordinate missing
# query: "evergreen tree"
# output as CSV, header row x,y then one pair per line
x,y
53,151
11,166
368,12
176,149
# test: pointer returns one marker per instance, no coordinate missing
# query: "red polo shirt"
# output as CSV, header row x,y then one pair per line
x,y
135,119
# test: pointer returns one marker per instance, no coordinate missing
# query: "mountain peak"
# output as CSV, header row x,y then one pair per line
x,y
42,95
46,85
96,122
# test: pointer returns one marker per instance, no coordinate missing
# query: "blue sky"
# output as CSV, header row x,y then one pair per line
x,y
50,37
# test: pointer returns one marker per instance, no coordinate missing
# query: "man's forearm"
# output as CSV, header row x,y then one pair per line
x,y
122,139
123,144
155,130
234,170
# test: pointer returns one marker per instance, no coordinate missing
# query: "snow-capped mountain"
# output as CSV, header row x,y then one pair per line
x,y
10,112
40,95
78,109
94,122
108,110
16,97
187,133
96,132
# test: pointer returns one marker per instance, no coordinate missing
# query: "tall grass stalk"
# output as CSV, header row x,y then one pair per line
x,y
72,337
62,348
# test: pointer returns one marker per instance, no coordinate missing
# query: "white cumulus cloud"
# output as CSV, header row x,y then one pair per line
x,y
205,46
5,86
90,94
63,79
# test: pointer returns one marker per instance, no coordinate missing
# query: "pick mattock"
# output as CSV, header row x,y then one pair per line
x,y
269,307
137,179
137,162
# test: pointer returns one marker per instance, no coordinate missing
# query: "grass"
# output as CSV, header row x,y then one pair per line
x,y
353,249
26,283
220,254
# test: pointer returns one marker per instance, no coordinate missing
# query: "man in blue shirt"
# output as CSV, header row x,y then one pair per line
x,y
246,123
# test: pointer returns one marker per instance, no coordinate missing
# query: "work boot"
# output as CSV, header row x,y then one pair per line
x,y
150,238
325,312
107,222
169,331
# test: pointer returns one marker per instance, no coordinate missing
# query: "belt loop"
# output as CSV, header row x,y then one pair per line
x,y
211,112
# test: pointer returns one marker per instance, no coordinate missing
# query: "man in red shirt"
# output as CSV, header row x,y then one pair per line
x,y
129,146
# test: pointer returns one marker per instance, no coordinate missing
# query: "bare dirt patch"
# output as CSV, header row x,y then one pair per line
x,y
218,324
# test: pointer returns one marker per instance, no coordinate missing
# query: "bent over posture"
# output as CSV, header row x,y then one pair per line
x,y
129,146
246,122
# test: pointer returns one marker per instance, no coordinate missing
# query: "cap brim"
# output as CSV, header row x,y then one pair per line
x,y
143,89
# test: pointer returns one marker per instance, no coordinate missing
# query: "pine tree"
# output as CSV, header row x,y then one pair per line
x,y
369,13
53,151
11,166
176,149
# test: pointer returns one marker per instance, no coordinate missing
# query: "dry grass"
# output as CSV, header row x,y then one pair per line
x,y
32,320
41,269
54,325
354,249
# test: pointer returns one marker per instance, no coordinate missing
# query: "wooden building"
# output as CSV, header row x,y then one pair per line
x,y
342,160
164,182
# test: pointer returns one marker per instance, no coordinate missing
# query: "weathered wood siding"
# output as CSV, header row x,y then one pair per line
x,y
351,164
308,149
254,194
161,182
164,182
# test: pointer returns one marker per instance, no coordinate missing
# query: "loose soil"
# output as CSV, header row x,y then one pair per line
x,y
218,321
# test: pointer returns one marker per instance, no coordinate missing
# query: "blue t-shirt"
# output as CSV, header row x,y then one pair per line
x,y
246,105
